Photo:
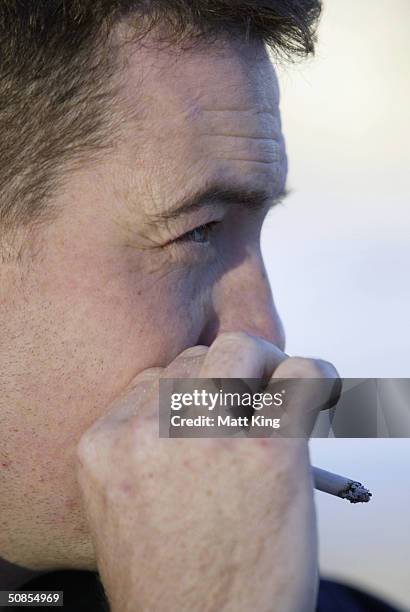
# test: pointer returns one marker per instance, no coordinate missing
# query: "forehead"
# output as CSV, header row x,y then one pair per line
x,y
244,66
206,115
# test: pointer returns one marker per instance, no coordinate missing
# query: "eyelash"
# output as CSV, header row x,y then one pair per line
x,y
188,237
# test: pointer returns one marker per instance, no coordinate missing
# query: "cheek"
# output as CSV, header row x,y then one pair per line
x,y
82,341
94,330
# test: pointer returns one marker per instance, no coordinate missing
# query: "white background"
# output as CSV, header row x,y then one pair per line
x,y
338,257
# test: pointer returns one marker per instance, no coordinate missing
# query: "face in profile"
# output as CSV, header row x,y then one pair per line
x,y
156,249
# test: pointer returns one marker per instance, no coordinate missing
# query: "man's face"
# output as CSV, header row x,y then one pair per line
x,y
121,283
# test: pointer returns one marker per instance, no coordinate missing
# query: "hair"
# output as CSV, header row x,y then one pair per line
x,y
57,78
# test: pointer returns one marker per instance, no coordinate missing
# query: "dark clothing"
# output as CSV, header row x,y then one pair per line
x,y
335,597
83,592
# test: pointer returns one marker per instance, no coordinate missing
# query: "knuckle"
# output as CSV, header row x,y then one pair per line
x,y
324,369
85,451
300,367
187,363
234,340
91,446
194,352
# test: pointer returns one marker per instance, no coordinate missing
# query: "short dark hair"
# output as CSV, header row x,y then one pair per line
x,y
56,69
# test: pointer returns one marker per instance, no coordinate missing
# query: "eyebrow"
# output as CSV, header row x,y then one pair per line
x,y
225,194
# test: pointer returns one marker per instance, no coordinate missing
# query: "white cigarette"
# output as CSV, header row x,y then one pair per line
x,y
343,487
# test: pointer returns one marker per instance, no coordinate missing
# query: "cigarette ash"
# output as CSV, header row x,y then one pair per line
x,y
355,493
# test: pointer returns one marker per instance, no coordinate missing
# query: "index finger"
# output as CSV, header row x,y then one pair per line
x,y
308,386
241,355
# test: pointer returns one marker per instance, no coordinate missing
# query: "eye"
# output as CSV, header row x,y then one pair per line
x,y
199,235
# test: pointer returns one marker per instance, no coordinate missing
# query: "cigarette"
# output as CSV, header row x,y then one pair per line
x,y
343,487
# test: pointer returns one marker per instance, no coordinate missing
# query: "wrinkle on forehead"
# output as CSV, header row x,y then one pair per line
x,y
208,116
254,123
157,75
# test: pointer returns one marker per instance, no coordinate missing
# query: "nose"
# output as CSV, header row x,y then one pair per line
x,y
242,301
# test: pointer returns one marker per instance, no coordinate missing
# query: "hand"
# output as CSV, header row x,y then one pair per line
x,y
224,525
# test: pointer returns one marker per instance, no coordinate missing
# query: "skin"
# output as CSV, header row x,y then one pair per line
x,y
106,291
222,525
